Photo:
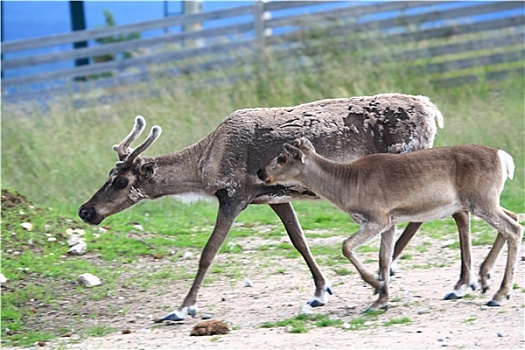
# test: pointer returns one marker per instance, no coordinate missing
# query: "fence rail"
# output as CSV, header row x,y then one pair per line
x,y
467,28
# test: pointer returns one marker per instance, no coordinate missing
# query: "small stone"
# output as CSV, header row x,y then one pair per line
x,y
248,283
501,334
27,226
78,249
206,316
187,255
51,239
3,279
138,227
350,306
88,280
73,239
448,243
306,309
126,331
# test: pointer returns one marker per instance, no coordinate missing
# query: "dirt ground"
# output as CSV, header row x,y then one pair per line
x,y
416,294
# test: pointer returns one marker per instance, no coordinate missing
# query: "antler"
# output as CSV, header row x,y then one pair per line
x,y
153,135
122,147
126,154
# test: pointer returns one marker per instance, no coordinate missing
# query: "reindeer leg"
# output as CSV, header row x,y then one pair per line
x,y
489,261
368,230
513,233
466,277
385,261
287,215
401,243
229,209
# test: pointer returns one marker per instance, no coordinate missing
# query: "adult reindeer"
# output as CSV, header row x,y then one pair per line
x,y
224,165
381,190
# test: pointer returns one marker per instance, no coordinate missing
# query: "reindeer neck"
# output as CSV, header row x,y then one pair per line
x,y
178,173
328,178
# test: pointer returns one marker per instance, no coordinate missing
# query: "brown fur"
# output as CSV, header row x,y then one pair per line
x,y
224,164
210,327
378,191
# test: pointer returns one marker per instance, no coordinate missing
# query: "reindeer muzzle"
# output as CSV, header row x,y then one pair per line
x,y
89,215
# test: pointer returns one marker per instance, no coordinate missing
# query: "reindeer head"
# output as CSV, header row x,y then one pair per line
x,y
123,188
285,168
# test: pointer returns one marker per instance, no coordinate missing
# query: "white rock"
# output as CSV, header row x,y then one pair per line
x,y
306,310
88,280
187,255
248,283
79,248
73,240
138,227
51,239
2,278
27,226
77,231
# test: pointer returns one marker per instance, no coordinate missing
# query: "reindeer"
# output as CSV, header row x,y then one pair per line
x,y
381,190
224,166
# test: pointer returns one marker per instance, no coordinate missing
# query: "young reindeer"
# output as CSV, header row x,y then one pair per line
x,y
378,191
224,166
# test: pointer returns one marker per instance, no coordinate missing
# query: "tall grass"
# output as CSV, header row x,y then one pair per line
x,y
59,155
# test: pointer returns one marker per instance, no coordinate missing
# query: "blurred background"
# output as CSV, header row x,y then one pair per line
x,y
75,74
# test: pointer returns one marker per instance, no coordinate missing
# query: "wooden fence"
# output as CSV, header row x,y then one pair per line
x,y
447,39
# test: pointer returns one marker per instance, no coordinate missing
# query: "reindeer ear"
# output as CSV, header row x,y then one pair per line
x,y
147,170
295,152
304,143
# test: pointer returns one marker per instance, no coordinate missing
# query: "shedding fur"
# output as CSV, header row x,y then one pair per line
x,y
225,163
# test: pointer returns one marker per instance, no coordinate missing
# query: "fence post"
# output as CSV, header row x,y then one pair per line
x,y
261,32
188,8
78,22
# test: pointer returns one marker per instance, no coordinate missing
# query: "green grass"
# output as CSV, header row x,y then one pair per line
x,y
69,150
302,323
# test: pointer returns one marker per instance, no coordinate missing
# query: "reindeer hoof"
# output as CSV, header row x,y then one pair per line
x,y
451,296
315,303
371,309
473,286
484,289
179,315
493,303
170,317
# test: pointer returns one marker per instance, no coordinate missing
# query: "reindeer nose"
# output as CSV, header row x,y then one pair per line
x,y
261,174
86,214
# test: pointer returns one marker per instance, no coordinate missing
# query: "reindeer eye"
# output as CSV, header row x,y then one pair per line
x,y
120,182
281,159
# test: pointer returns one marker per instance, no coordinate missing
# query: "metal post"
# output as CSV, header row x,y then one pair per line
x,y
78,22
